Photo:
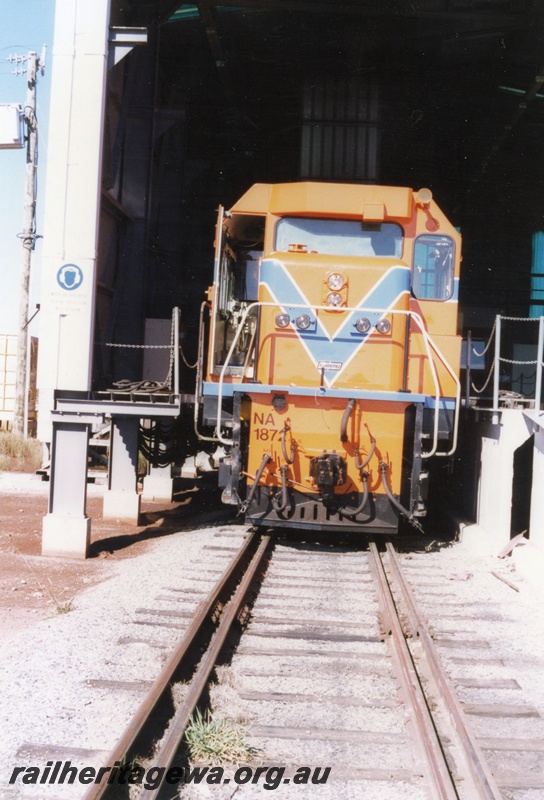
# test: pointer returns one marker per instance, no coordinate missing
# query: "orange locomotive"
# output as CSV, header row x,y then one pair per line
x,y
329,367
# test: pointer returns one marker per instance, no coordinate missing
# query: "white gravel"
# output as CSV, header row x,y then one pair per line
x,y
46,699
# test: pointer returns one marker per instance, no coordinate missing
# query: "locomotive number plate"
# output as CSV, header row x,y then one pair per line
x,y
266,432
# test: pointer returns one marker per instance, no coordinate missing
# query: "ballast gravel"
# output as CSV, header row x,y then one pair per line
x,y
49,707
46,699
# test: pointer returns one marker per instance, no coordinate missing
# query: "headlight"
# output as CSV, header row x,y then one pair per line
x,y
334,299
303,322
363,325
335,281
383,326
282,320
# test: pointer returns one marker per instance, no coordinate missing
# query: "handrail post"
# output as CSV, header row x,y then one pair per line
x,y
539,357
497,368
175,345
467,369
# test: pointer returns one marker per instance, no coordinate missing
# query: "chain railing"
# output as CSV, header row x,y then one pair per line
x,y
494,371
171,381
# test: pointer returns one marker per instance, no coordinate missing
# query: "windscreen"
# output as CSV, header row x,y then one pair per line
x,y
339,237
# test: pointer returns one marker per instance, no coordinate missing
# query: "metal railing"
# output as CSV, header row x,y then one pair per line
x,y
429,344
496,338
171,381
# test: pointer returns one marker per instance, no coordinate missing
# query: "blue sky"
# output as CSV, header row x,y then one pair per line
x,y
25,25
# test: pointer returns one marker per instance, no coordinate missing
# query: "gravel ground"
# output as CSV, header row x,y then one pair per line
x,y
46,698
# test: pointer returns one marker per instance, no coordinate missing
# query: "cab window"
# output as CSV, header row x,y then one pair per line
x,y
339,237
433,268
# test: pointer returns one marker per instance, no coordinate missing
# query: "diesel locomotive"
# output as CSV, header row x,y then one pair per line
x,y
327,376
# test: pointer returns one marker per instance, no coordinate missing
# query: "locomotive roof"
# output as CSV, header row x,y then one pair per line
x,y
306,198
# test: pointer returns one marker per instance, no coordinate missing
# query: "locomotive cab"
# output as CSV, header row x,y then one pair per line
x,y
331,373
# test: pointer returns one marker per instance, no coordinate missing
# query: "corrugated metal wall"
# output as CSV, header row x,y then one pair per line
x,y
340,130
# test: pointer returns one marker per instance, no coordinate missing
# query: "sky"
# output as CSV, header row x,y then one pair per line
x,y
25,25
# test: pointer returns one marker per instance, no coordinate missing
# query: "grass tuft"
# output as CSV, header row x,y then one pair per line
x,y
216,741
19,454
64,607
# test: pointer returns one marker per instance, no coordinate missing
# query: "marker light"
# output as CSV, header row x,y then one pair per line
x,y
335,281
363,325
334,299
424,197
383,326
303,322
282,320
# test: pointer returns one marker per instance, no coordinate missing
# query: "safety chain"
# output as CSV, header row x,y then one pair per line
x,y
184,359
486,348
168,381
484,387
141,346
511,361
521,319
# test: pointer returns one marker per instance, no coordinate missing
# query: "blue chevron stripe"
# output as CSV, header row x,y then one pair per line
x,y
347,341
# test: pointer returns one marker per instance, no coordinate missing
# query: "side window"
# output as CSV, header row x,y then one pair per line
x,y
432,275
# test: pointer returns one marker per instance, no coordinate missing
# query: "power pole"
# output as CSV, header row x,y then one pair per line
x,y
28,238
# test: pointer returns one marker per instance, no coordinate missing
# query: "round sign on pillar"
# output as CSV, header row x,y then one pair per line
x,y
69,277
69,293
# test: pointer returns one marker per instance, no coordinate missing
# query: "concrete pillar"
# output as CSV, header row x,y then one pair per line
x,y
159,484
66,529
499,443
537,504
121,500
72,201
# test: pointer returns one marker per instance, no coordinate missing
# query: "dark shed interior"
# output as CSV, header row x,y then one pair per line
x,y
446,94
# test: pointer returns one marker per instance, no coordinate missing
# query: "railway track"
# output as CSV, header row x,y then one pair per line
x,y
382,708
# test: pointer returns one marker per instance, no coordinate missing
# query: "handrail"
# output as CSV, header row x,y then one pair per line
x,y
175,325
427,340
199,375
497,359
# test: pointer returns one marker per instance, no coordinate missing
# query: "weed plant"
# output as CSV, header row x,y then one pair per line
x,y
216,741
19,454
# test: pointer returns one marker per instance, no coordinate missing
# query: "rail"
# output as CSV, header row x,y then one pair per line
x,y
429,344
208,606
477,777
437,770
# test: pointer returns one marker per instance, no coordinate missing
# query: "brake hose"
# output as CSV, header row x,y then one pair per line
x,y
350,513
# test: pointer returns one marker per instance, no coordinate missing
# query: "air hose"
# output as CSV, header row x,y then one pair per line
x,y
284,502
247,502
361,465
344,424
291,458
350,513
404,511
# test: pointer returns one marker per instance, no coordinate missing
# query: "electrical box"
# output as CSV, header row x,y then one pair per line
x,y
11,126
